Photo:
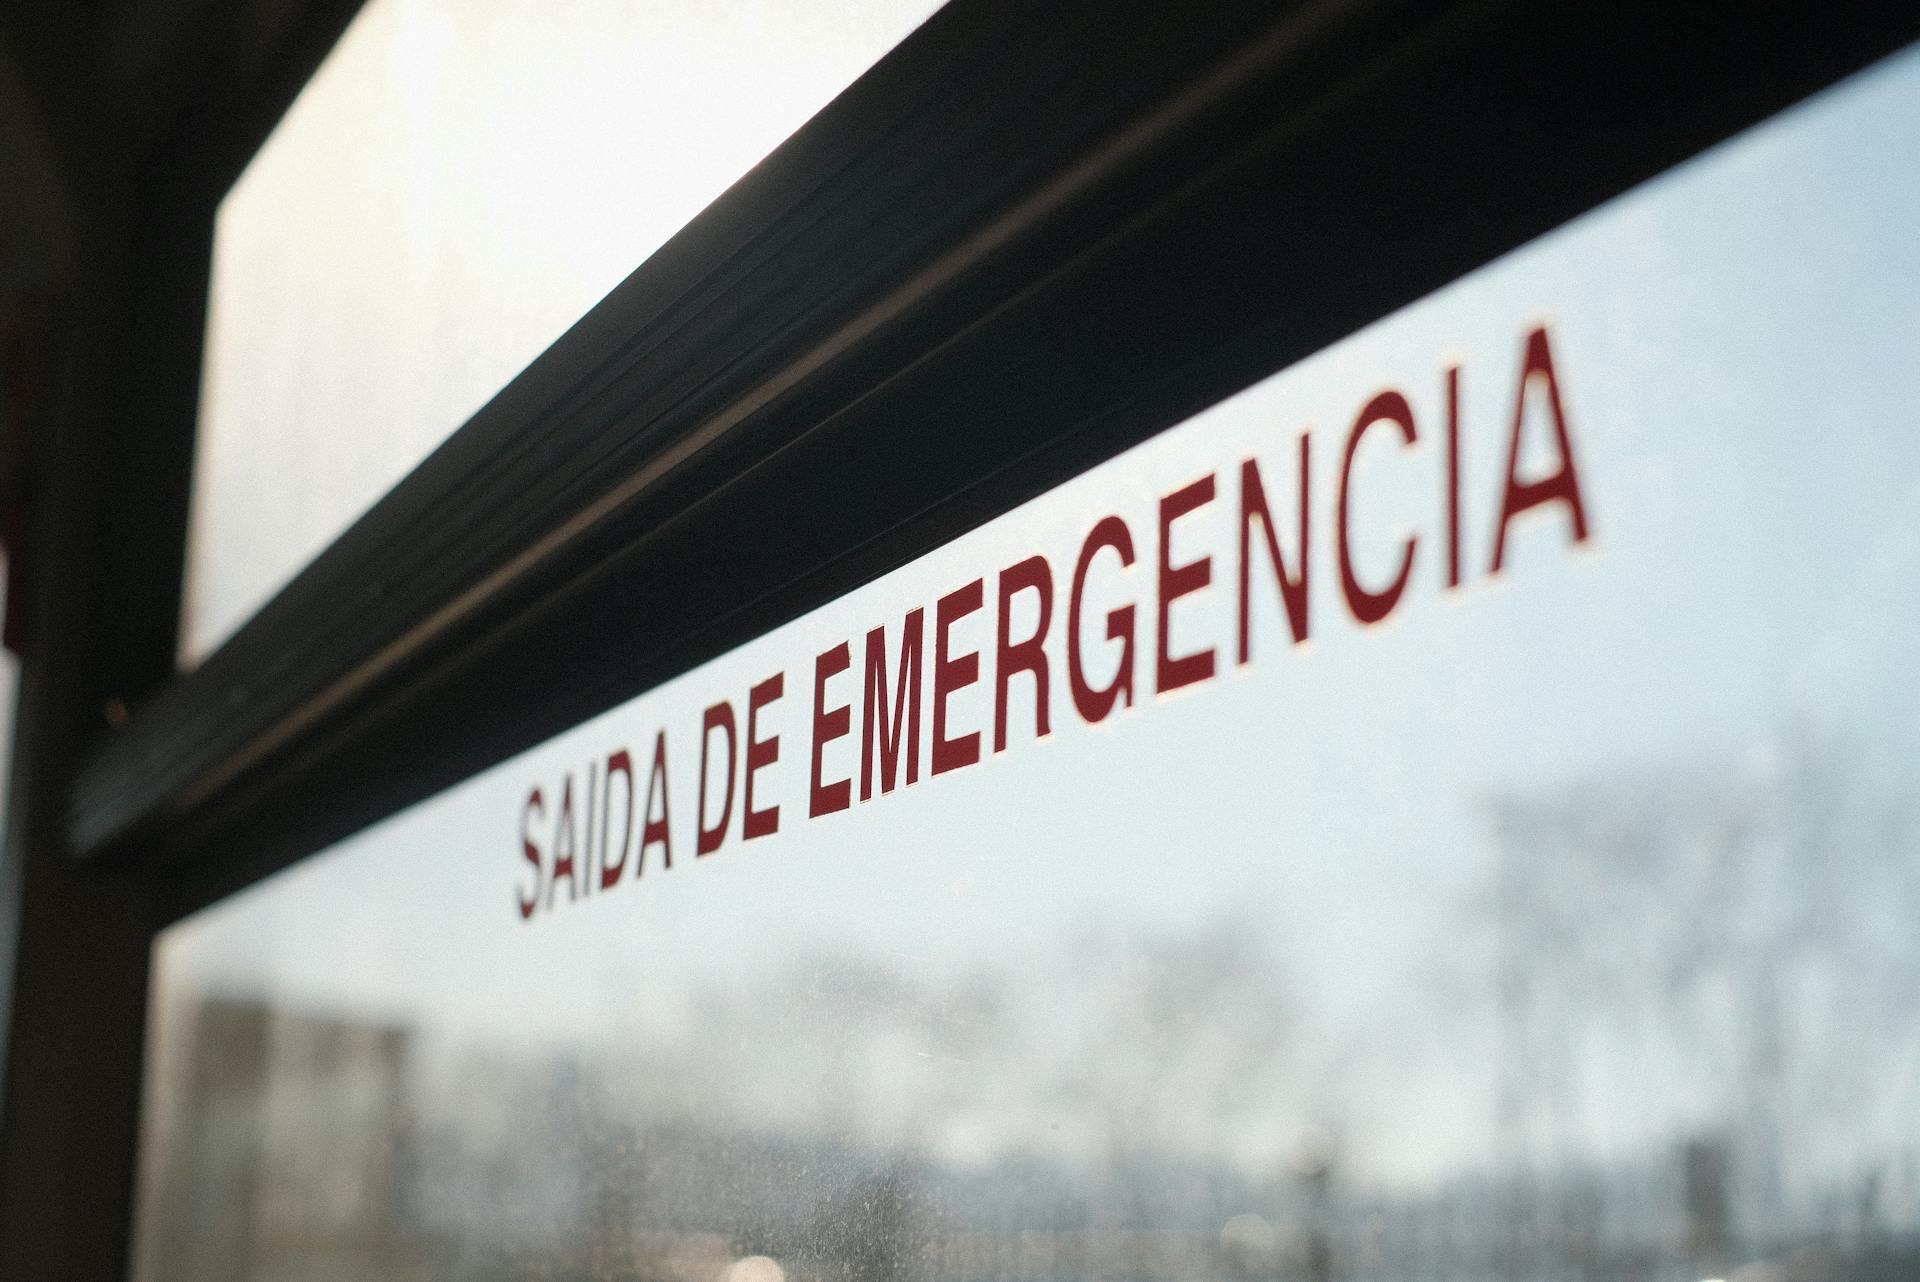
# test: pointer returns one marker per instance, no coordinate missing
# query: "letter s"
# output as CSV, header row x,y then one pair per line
x,y
531,850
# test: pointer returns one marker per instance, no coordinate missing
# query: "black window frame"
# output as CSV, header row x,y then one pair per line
x,y
1030,237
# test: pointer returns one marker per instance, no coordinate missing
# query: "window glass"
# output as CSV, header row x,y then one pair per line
x,y
1320,896
459,183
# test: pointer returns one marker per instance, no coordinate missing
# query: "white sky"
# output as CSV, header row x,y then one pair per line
x,y
460,182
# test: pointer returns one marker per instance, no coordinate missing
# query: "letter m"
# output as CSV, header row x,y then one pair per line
x,y
875,727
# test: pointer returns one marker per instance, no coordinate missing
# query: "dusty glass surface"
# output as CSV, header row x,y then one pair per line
x,y
1558,923
461,181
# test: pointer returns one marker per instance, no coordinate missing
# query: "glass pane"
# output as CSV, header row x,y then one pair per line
x,y
1546,913
459,183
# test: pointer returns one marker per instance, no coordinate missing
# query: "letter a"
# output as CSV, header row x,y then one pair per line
x,y
1564,483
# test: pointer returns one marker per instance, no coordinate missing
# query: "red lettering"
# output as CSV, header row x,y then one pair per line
x,y
531,851
1095,705
760,754
828,724
1563,484
718,717
656,829
1369,606
1034,575
621,764
1293,587
906,703
1176,581
951,674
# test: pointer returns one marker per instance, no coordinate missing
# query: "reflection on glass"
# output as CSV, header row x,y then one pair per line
x,y
1560,925
461,181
